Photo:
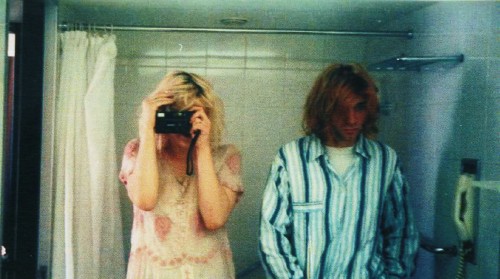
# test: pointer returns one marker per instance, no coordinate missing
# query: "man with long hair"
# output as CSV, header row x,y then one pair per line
x,y
336,202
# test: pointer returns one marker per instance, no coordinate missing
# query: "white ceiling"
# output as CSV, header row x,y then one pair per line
x,y
261,14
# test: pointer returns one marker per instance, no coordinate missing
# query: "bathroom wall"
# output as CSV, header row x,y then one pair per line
x,y
262,80
439,117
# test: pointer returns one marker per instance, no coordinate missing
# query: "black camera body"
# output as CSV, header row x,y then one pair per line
x,y
170,121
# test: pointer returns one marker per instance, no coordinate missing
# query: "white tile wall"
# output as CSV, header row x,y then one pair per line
x,y
263,81
437,118
441,117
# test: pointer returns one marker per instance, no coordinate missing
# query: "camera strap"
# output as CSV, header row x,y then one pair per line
x,y
189,163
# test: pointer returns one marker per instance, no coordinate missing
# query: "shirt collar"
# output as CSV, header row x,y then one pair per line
x,y
317,149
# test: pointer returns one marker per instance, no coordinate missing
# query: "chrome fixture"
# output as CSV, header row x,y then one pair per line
x,y
417,63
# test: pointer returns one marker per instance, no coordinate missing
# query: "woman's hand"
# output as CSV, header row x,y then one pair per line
x,y
149,107
215,201
201,122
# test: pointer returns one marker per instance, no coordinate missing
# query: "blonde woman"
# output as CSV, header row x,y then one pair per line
x,y
178,228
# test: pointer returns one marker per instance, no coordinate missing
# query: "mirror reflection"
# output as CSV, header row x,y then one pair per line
x,y
433,115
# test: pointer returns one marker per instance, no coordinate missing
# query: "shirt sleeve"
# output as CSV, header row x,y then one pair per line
x,y
229,172
275,239
128,160
399,233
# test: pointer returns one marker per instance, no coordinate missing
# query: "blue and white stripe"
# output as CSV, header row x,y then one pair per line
x,y
317,224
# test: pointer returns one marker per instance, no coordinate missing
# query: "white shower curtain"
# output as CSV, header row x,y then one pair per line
x,y
88,239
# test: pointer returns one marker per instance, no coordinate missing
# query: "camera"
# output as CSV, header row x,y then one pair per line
x,y
170,121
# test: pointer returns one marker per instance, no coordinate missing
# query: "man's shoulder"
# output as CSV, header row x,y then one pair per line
x,y
371,146
299,144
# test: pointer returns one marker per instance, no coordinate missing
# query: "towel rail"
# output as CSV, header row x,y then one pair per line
x,y
449,250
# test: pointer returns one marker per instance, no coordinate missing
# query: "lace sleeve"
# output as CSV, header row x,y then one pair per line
x,y
128,160
230,169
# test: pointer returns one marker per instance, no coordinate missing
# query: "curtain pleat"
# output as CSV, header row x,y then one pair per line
x,y
88,240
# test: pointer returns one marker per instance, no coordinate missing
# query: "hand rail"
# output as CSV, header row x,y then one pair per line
x,y
449,250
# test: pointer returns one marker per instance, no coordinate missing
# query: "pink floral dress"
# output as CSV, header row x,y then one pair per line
x,y
171,240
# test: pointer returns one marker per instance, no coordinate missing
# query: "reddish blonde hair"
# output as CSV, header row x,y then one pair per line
x,y
332,85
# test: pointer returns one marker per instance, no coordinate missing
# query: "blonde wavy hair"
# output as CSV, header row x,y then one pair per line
x,y
190,90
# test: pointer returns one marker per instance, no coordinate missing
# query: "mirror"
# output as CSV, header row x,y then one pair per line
x,y
263,79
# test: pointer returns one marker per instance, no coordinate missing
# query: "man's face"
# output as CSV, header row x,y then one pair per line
x,y
347,121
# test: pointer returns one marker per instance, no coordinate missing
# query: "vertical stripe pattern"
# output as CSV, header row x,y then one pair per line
x,y
317,224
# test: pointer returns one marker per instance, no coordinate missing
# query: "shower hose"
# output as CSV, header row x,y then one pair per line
x,y
461,262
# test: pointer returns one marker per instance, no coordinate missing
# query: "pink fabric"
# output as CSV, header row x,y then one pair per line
x,y
171,240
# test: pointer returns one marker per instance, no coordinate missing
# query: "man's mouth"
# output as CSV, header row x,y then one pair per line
x,y
351,131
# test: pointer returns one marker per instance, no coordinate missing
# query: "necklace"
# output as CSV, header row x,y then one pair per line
x,y
184,182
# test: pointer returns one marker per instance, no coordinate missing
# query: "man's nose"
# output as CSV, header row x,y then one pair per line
x,y
351,116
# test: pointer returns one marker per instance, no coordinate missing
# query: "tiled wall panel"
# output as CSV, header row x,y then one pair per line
x,y
442,116
262,79
434,118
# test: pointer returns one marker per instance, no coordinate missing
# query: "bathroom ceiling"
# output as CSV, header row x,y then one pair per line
x,y
260,14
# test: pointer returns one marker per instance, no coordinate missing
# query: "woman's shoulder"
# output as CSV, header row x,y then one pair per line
x,y
225,152
227,148
128,161
131,148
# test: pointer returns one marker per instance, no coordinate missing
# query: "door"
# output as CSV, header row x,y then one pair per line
x,y
21,190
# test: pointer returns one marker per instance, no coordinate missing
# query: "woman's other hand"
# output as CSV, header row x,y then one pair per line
x,y
201,122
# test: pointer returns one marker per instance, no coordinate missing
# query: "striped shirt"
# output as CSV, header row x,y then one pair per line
x,y
317,224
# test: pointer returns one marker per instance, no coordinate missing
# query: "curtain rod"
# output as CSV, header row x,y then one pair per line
x,y
93,27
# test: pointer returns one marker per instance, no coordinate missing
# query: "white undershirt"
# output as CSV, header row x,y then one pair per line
x,y
341,158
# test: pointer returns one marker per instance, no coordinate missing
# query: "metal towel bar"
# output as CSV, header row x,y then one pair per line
x,y
450,250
